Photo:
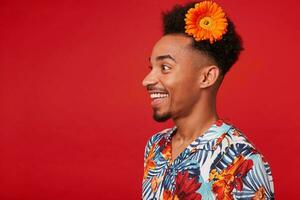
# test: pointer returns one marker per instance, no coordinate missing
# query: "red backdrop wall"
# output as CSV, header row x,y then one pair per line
x,y
74,117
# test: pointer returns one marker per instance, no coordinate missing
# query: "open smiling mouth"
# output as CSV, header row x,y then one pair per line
x,y
158,98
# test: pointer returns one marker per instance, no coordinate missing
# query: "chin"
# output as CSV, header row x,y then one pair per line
x,y
161,118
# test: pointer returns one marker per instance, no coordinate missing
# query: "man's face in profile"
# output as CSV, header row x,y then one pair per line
x,y
173,80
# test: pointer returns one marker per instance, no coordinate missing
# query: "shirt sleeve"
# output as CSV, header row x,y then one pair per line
x,y
257,183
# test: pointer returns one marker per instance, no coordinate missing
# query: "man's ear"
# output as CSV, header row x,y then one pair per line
x,y
209,75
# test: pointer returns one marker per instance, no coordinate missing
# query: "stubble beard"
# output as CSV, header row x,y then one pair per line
x,y
162,117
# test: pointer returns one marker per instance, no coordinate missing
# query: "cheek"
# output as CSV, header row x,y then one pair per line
x,y
183,95
186,81
182,88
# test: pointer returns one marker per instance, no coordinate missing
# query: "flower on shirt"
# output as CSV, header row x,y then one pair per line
x,y
185,189
165,146
167,195
229,178
155,182
149,162
162,142
167,151
260,194
236,133
219,141
219,122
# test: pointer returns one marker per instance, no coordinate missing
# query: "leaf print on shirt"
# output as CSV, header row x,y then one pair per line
x,y
149,162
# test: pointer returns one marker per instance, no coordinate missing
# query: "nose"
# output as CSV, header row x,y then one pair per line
x,y
150,79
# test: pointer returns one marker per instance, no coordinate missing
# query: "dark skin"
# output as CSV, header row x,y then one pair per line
x,y
191,79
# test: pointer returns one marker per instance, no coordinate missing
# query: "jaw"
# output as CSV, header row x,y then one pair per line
x,y
161,117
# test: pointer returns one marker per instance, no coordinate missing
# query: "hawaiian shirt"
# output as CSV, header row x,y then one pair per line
x,y
220,164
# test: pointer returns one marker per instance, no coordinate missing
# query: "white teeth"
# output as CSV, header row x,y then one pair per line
x,y
158,95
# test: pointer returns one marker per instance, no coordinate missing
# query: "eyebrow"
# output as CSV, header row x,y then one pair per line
x,y
162,57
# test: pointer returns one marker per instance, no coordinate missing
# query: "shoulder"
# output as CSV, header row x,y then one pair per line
x,y
238,156
233,145
244,147
237,140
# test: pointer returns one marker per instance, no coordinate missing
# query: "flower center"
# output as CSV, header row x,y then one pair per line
x,y
206,23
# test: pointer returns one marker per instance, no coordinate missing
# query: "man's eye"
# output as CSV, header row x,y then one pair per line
x,y
165,67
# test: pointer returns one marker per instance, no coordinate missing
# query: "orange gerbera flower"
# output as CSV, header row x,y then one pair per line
x,y
206,21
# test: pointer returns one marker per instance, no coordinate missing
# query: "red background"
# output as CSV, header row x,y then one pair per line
x,y
74,117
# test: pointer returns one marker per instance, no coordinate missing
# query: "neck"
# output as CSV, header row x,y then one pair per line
x,y
202,116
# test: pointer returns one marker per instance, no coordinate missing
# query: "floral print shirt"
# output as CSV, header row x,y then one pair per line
x,y
220,164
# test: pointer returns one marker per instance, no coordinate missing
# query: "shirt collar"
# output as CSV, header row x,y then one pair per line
x,y
209,140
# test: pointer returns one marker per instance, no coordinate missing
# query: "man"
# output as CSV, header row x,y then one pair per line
x,y
202,157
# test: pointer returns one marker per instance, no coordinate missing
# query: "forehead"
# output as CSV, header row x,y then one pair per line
x,y
175,45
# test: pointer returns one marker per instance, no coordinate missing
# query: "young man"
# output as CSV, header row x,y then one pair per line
x,y
202,157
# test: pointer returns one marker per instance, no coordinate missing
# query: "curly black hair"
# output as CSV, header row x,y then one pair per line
x,y
224,52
